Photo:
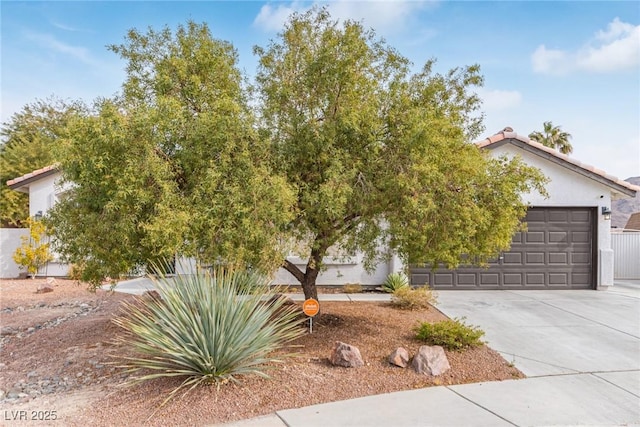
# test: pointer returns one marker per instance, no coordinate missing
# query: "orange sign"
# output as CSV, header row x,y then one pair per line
x,y
310,307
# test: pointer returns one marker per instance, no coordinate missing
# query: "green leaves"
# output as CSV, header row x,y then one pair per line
x,y
341,146
29,142
208,328
553,137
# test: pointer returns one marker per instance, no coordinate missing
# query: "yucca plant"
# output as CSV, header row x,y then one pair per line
x,y
394,282
208,328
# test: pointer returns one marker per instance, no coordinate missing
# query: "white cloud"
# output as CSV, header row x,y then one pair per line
x,y
50,42
382,15
550,61
273,18
499,100
616,49
64,27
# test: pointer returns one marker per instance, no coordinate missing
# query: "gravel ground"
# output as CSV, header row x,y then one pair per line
x,y
57,361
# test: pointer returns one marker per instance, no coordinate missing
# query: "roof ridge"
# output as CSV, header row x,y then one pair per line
x,y
509,133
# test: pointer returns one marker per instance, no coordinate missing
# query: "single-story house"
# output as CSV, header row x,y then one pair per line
x,y
567,244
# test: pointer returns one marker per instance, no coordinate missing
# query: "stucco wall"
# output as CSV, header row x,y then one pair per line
x,y
9,242
566,189
339,272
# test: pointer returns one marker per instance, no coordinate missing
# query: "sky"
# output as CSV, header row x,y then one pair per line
x,y
576,64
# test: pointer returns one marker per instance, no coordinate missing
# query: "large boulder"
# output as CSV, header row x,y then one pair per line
x,y
399,357
346,355
430,360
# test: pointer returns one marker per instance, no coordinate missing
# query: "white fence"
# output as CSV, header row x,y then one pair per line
x,y
626,249
9,242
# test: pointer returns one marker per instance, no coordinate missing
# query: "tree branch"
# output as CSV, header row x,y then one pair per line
x,y
295,271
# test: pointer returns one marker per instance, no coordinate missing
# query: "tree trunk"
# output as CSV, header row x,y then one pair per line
x,y
308,278
309,283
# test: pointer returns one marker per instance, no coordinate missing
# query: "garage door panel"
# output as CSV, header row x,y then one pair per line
x,y
557,237
558,258
512,279
512,258
583,258
534,237
556,252
489,279
558,216
534,258
536,216
559,279
583,216
580,237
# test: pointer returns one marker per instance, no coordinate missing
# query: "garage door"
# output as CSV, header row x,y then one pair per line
x,y
556,252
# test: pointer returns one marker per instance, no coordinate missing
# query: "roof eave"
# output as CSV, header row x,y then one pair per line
x,y
564,161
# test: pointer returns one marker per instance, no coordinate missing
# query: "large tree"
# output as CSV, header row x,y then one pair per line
x,y
379,155
553,137
343,147
28,143
174,165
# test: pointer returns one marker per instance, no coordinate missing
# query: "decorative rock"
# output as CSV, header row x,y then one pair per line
x,y
7,330
430,361
346,355
43,289
399,357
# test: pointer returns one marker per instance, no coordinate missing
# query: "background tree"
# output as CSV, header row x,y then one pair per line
x,y
172,166
28,141
378,155
553,137
33,252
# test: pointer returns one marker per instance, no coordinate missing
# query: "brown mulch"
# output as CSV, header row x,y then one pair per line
x,y
73,358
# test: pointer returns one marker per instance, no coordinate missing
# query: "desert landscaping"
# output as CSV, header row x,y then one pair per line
x,y
60,362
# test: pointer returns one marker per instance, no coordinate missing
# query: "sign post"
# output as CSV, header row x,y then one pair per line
x,y
310,307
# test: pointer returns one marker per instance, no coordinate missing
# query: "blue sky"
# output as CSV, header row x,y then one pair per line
x,y
574,63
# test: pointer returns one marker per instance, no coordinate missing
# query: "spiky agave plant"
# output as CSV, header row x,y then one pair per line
x,y
394,282
208,328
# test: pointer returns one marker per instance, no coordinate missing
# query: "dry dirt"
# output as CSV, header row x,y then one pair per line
x,y
57,361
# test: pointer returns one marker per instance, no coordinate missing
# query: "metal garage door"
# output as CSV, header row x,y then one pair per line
x,y
556,252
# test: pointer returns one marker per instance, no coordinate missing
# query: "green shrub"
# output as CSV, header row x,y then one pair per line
x,y
413,299
33,252
450,334
208,328
394,282
352,288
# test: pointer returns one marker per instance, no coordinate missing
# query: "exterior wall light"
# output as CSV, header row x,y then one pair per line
x,y
606,213
38,216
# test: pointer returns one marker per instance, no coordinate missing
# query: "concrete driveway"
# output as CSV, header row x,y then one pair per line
x,y
556,332
579,349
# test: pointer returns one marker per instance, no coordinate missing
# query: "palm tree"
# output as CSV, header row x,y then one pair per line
x,y
553,137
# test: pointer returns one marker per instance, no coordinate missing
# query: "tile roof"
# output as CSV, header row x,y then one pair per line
x,y
509,136
32,176
634,222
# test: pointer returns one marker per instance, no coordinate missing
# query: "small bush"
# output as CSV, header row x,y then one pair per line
x,y
352,288
413,299
450,334
207,328
394,282
75,272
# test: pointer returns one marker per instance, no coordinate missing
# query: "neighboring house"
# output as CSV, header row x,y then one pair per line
x,y
567,245
41,186
633,224
568,242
